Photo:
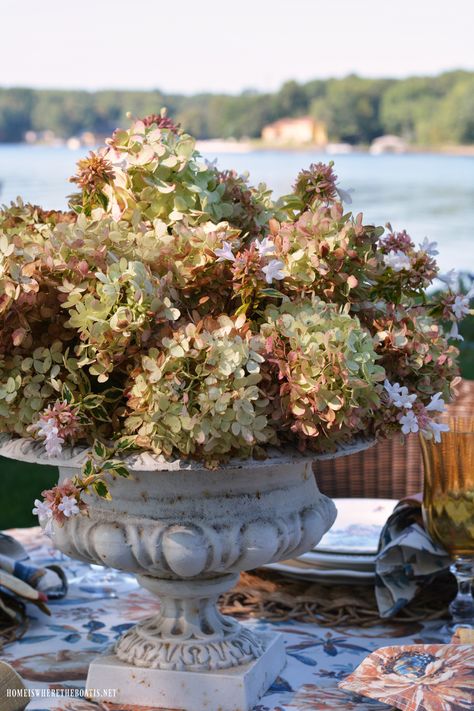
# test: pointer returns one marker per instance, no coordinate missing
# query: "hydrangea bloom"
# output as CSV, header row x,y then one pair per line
x,y
178,309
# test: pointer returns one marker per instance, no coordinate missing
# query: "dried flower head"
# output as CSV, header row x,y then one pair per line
x,y
93,172
316,184
162,121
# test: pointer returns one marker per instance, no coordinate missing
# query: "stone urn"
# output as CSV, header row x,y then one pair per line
x,y
187,532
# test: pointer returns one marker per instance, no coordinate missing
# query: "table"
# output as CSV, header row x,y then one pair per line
x,y
55,652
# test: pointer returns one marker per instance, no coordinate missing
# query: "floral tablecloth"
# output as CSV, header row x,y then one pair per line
x,y
55,652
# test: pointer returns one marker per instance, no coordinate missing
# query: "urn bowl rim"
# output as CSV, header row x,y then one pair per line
x,y
28,450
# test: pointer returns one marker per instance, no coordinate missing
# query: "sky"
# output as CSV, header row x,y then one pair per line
x,y
191,46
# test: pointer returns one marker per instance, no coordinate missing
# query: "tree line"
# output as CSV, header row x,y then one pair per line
x,y
424,110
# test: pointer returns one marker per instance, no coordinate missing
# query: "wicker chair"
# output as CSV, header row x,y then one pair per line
x,y
389,470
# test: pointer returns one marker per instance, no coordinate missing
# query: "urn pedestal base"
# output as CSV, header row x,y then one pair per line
x,y
236,689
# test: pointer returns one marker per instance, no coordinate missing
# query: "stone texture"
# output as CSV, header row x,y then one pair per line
x,y
235,689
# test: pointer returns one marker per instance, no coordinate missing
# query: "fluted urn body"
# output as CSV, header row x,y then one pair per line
x,y
187,533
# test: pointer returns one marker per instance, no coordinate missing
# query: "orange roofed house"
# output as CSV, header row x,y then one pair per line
x,y
300,131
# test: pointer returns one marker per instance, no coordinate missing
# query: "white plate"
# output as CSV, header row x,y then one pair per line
x,y
292,569
358,526
338,560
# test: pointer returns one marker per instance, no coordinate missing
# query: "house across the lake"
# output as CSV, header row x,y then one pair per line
x,y
301,131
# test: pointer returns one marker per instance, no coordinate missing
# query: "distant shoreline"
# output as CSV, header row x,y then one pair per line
x,y
217,145
229,146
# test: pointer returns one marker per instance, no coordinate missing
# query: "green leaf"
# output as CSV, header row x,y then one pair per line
x,y
91,401
112,394
67,394
101,489
125,443
185,147
110,464
271,292
100,450
101,414
122,471
88,468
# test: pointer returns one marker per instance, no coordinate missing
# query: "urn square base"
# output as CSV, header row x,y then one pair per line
x,y
235,689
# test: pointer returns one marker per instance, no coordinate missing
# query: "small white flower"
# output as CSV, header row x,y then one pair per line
x,y
409,422
53,443
391,389
460,307
266,247
451,278
454,333
210,163
403,399
436,404
42,509
397,260
48,430
399,396
345,195
273,270
68,506
43,426
429,248
436,428
225,254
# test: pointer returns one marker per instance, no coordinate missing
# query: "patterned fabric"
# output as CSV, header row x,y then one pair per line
x,y
408,558
422,677
55,652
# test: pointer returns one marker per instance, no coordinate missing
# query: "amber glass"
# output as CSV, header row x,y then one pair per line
x,y
448,503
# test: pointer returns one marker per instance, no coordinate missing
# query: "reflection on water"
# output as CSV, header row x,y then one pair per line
x,y
429,195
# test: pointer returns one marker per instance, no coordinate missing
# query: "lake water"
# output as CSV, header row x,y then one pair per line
x,y
429,195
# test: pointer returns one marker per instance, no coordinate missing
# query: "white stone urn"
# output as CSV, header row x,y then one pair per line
x,y
187,532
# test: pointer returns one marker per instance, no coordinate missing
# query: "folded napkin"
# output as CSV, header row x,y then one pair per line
x,y
23,581
407,558
417,677
50,581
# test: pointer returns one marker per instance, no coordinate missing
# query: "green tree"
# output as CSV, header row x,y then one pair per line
x,y
64,112
409,105
350,108
456,113
425,110
15,114
291,100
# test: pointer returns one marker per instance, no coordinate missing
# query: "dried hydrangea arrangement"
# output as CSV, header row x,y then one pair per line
x,y
177,309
